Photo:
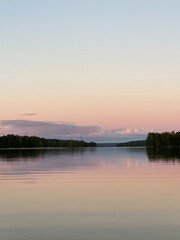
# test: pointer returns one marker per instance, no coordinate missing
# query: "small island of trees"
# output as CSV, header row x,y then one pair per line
x,y
16,141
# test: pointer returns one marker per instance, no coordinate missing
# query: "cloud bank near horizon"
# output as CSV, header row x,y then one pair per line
x,y
66,130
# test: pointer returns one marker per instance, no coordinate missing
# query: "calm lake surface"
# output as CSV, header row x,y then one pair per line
x,y
89,194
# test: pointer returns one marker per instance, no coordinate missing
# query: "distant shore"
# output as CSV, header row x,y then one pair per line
x,y
34,142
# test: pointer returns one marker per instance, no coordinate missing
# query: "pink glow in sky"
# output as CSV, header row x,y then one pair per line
x,y
110,65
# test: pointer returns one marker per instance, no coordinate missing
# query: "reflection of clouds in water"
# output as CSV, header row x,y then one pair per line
x,y
18,162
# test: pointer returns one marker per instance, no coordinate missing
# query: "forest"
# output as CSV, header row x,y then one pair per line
x,y
16,141
140,143
165,139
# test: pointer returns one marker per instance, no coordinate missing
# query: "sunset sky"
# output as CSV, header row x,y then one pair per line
x,y
101,70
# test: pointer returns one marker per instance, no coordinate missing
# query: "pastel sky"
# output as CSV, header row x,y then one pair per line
x,y
104,70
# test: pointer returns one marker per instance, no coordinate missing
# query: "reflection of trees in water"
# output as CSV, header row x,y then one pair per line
x,y
12,155
26,161
168,154
20,155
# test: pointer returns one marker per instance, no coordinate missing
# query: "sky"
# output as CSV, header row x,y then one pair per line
x,y
98,70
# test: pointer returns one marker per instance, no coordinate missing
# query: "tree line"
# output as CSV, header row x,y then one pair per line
x,y
165,139
17,141
138,143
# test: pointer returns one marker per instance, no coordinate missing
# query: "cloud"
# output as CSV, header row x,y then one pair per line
x,y
120,134
28,114
49,129
66,130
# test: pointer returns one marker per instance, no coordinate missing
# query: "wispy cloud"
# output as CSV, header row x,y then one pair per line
x,y
28,114
66,130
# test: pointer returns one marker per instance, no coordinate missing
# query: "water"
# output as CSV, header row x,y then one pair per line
x,y
92,194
